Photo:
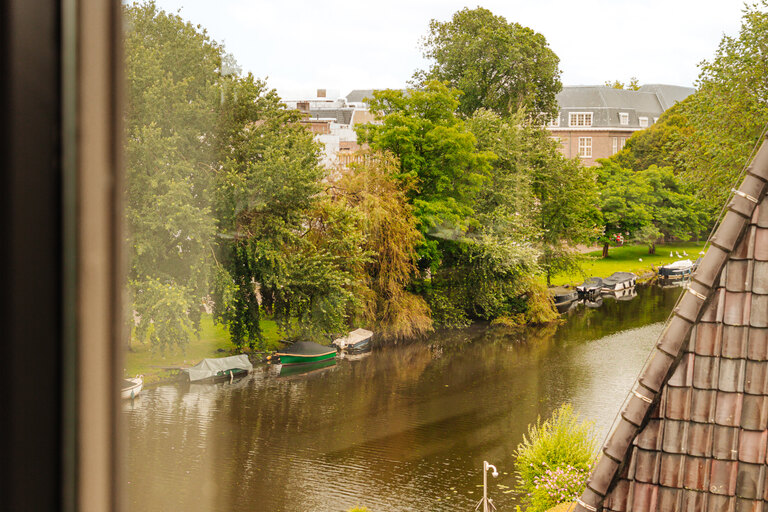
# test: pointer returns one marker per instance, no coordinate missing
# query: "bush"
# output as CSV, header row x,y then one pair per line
x,y
359,509
553,460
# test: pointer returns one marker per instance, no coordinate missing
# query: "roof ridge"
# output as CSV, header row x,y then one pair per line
x,y
667,353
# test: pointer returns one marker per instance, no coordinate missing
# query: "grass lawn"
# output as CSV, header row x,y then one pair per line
x,y
627,259
141,359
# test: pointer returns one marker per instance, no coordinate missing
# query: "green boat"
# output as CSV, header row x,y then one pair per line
x,y
303,352
295,370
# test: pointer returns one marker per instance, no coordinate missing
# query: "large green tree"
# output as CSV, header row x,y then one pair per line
x,y
498,65
173,74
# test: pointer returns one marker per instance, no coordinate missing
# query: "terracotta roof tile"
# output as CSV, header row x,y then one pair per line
x,y
756,377
646,466
728,408
725,442
619,439
676,403
674,336
713,310
749,481
729,231
683,374
649,438
762,217
743,505
736,310
716,503
759,311
696,474
734,344
737,278
644,497
705,370
708,338
656,370
754,414
700,439
669,499
722,477
745,248
670,471
618,498
710,267
752,445
731,375
757,344
760,277
674,436
637,405
693,501
761,244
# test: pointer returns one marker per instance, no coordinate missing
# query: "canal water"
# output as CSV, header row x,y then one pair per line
x,y
402,429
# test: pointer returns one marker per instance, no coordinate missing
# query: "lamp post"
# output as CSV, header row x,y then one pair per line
x,y
485,502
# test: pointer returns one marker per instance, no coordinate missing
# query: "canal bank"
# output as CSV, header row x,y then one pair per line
x,y
401,429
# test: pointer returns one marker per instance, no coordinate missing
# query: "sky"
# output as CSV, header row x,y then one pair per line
x,y
339,45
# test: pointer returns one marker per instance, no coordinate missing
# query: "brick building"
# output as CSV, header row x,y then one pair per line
x,y
595,121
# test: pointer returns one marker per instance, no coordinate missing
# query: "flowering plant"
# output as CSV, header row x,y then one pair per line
x,y
561,484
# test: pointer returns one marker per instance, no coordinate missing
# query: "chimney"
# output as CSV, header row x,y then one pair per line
x,y
321,93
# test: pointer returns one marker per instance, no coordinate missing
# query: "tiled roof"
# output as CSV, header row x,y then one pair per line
x,y
359,95
693,432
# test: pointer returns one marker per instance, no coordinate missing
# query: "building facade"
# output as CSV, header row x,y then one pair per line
x,y
595,121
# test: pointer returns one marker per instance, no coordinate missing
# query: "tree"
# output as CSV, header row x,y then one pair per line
x,y
729,112
646,205
633,85
437,152
501,66
172,71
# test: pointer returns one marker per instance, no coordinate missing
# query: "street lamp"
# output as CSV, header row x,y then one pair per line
x,y
485,502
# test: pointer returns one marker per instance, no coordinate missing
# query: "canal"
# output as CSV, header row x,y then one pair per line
x,y
401,429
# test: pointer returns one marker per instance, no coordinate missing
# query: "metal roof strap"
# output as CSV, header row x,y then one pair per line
x,y
642,396
695,293
744,195
588,507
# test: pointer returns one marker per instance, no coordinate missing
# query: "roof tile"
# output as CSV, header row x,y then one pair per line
x,y
734,341
649,438
760,276
729,231
728,408
736,310
693,501
761,244
762,216
617,499
669,499
636,407
700,438
742,205
752,445
646,466
644,497
756,377
696,475
722,477
656,369
707,338
675,436
754,414
717,503
736,277
744,505
683,374
619,439
749,480
725,443
676,403
758,317
757,345
713,310
731,376
670,472
710,267
691,302
705,371
674,335
744,249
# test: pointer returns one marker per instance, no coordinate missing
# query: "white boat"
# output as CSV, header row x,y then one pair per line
x,y
677,270
221,368
131,387
356,341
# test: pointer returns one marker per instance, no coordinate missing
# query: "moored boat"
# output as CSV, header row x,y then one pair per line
x,y
619,281
294,370
131,387
356,341
220,368
678,270
303,352
590,289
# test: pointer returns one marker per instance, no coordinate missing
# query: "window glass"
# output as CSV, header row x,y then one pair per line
x,y
580,119
585,147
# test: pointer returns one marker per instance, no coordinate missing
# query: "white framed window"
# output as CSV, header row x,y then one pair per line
x,y
585,147
615,146
643,122
622,142
580,119
555,121
624,118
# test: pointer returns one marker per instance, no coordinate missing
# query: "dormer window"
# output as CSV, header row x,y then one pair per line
x,y
554,122
643,122
580,119
623,118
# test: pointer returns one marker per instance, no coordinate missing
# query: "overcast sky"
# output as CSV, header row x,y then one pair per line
x,y
342,45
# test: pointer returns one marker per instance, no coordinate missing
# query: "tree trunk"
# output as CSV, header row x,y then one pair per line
x,y
605,250
652,248
548,278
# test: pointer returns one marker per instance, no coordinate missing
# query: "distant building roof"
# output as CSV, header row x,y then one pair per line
x,y
359,95
340,115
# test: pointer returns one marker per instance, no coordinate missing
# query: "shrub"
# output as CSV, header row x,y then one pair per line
x,y
553,460
359,509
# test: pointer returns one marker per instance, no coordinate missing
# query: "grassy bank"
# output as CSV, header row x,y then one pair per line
x,y
628,259
213,342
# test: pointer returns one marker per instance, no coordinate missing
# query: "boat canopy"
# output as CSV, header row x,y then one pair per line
x,y
208,368
681,264
306,348
353,338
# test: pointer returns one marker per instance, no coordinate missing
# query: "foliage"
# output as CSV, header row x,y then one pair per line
x,y
730,110
500,66
559,443
436,152
632,201
172,71
563,484
389,232
633,85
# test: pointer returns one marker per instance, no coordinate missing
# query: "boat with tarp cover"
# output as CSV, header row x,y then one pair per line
x,y
303,352
358,340
221,368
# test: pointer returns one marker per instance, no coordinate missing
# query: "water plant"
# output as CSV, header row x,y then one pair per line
x,y
553,460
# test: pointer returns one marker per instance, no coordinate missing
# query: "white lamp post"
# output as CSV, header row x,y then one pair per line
x,y
485,502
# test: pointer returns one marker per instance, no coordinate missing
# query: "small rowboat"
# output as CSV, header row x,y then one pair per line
x,y
619,281
358,340
677,270
131,387
590,289
303,352
219,369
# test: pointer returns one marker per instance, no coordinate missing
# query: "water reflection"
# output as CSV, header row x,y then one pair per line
x,y
406,428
